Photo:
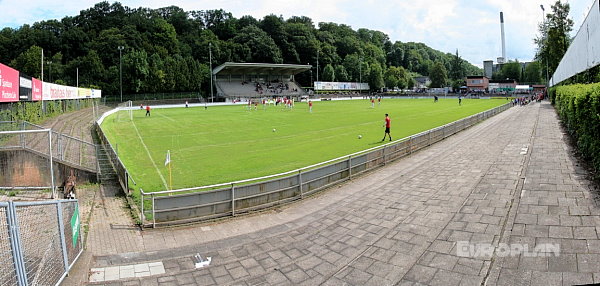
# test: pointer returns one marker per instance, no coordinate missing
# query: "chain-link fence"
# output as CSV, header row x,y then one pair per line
x,y
39,241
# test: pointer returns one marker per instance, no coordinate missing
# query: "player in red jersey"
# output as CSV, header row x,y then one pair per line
x,y
388,124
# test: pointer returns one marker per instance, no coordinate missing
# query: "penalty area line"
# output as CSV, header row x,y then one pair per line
x,y
148,152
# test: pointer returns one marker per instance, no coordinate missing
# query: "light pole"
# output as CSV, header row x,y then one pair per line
x,y
42,64
121,71
317,65
311,79
360,74
211,71
50,72
546,40
77,81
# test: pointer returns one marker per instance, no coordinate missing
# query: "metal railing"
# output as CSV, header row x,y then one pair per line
x,y
115,161
65,148
228,199
40,241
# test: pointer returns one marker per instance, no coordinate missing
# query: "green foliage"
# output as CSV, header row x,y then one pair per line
x,y
533,73
396,77
38,111
328,73
511,70
438,75
554,39
340,74
579,109
457,71
29,62
375,77
167,49
227,143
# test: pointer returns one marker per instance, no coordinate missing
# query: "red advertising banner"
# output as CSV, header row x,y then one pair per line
x,y
9,84
36,89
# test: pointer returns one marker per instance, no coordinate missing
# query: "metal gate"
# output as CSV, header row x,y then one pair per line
x,y
39,241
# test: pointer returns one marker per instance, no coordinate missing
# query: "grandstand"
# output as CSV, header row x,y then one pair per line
x,y
235,80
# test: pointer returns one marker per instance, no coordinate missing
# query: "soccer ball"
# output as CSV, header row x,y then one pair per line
x,y
274,129
359,136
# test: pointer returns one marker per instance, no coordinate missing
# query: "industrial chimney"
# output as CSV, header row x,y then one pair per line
x,y
503,58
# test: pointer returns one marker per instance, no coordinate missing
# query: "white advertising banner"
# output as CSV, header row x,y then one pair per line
x,y
53,91
325,85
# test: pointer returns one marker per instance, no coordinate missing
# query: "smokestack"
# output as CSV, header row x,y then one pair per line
x,y
503,42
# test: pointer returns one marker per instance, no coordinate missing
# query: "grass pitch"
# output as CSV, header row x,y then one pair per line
x,y
226,143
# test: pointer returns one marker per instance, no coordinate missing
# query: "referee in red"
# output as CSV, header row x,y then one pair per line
x,y
388,124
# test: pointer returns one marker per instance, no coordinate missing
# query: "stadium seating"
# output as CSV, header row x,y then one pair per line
x,y
237,89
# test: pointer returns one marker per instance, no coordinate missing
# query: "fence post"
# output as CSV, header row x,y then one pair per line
x,y
51,162
350,167
410,145
383,154
429,139
232,200
22,136
60,150
153,213
61,230
300,183
142,216
15,243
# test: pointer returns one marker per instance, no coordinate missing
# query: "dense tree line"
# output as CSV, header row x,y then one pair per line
x,y
167,49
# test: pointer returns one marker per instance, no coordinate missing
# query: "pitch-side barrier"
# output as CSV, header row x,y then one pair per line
x,y
233,198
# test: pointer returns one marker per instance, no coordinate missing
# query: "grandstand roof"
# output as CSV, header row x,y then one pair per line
x,y
257,68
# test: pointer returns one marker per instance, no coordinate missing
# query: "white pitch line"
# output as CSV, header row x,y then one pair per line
x,y
148,152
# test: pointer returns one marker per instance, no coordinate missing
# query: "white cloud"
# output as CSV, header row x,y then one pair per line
x,y
472,27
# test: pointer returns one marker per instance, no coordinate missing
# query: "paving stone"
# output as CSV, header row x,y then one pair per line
x,y
446,278
561,232
585,232
511,277
588,263
546,278
563,263
573,246
419,273
570,278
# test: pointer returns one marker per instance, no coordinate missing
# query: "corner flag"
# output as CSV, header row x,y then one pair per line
x,y
168,160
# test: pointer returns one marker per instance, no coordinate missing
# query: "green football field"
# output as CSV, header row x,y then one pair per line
x,y
227,143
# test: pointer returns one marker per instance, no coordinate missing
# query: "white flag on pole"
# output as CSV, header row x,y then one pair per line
x,y
168,160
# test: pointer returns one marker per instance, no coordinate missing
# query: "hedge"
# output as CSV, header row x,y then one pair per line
x,y
579,109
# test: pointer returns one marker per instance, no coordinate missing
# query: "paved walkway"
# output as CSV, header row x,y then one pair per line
x,y
426,219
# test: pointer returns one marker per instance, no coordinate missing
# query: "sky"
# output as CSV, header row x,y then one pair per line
x,y
471,27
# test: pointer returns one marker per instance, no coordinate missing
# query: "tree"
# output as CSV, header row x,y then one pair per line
x,y
533,73
376,77
29,62
261,47
438,75
511,70
328,73
456,68
175,43
392,75
341,74
403,78
135,70
554,39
